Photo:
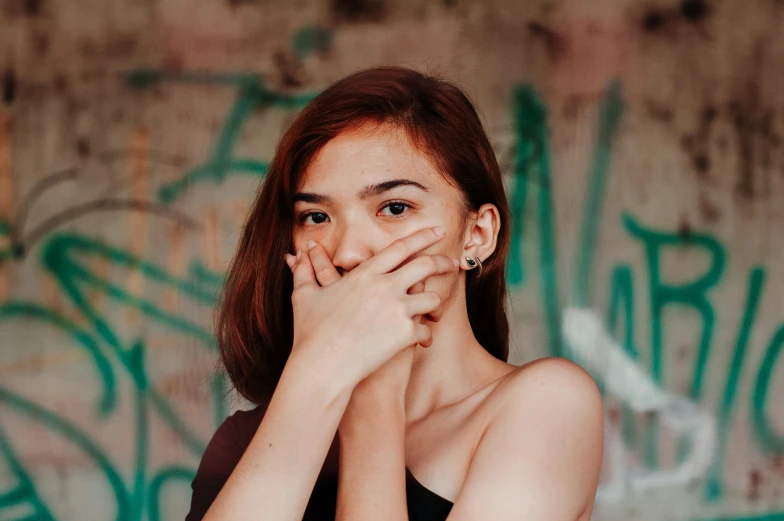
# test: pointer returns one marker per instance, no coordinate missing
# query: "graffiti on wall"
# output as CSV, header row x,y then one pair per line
x,y
69,258
611,360
612,352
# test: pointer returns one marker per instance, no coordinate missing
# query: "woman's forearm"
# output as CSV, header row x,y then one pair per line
x,y
372,474
275,476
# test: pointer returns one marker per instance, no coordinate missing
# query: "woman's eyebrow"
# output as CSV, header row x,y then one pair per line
x,y
365,193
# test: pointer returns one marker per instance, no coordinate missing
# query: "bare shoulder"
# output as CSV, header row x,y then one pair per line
x,y
557,385
552,404
541,449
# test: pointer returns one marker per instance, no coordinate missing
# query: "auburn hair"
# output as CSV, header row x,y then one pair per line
x,y
254,320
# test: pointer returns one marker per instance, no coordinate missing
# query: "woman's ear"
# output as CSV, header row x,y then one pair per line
x,y
482,232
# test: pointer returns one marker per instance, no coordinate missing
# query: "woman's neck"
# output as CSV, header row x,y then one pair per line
x,y
452,368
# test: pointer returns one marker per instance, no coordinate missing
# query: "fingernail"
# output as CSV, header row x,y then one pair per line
x,y
439,231
290,260
311,244
456,262
299,254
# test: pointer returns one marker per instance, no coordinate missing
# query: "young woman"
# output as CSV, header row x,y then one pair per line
x,y
377,355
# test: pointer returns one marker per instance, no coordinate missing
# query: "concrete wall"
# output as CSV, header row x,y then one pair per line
x,y
640,142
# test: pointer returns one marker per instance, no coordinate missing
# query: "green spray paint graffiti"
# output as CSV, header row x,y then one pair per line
x,y
252,96
25,492
533,163
60,257
763,426
691,295
533,151
534,160
15,310
622,295
64,257
311,40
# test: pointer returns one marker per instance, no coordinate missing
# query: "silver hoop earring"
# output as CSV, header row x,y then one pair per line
x,y
473,262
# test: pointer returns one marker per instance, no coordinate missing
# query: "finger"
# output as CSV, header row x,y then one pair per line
x,y
422,303
398,251
303,272
325,271
424,266
424,335
291,260
421,320
419,287
435,316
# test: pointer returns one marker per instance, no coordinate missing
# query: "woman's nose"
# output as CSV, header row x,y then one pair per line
x,y
351,249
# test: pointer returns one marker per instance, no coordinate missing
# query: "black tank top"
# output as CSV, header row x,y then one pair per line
x,y
229,443
423,504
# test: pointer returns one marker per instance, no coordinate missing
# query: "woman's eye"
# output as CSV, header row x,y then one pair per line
x,y
318,217
397,207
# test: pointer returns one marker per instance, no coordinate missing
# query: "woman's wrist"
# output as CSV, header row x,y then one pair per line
x,y
385,417
372,469
317,377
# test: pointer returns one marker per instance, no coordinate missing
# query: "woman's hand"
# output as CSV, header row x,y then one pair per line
x,y
387,385
371,316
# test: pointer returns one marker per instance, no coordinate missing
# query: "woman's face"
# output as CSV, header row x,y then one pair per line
x,y
367,187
